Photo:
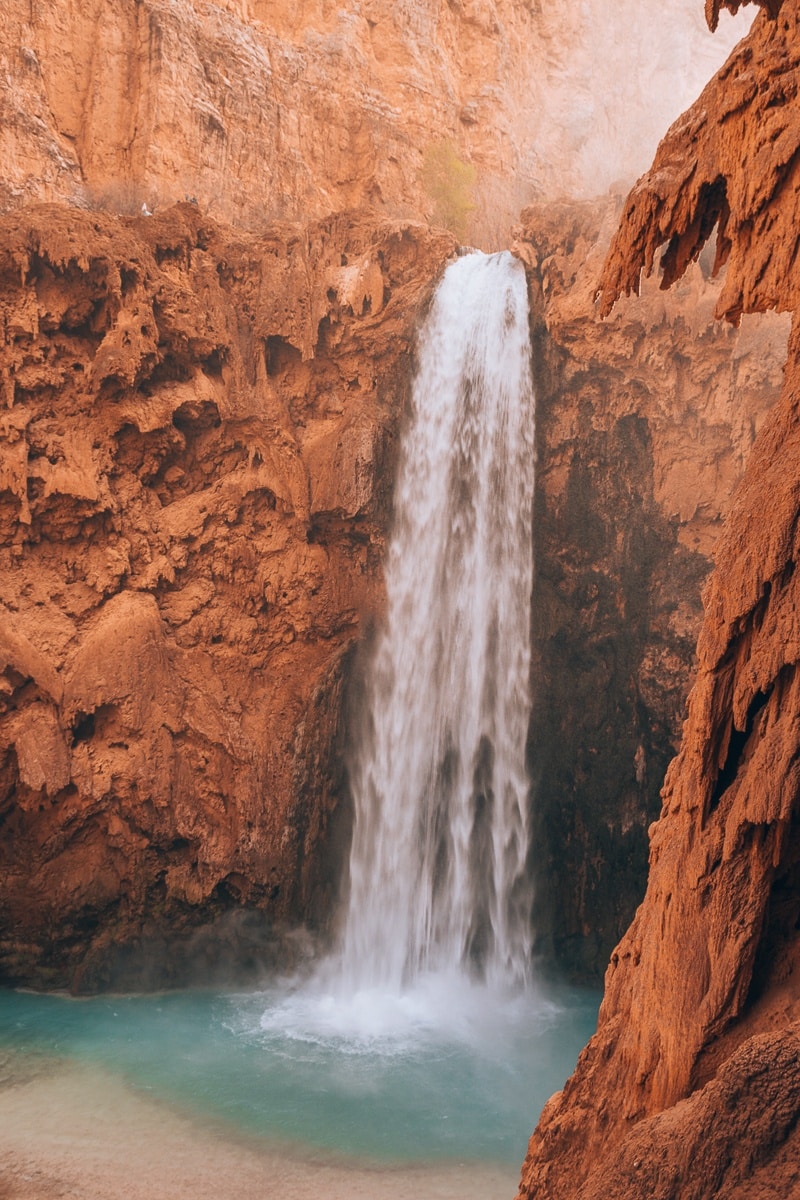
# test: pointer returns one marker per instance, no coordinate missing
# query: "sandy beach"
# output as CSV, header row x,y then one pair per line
x,y
74,1132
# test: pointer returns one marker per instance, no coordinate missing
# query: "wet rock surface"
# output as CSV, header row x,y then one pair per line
x,y
200,434
645,422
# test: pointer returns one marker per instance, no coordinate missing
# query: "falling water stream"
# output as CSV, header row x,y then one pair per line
x,y
426,1038
437,870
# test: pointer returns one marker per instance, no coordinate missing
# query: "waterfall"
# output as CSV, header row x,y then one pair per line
x,y
437,867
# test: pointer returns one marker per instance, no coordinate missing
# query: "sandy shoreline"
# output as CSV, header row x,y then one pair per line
x,y
76,1132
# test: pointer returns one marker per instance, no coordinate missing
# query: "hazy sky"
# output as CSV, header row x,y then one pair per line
x,y
622,71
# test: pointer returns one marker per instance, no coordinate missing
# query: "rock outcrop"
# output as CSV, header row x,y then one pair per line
x,y
199,432
645,423
691,1086
198,438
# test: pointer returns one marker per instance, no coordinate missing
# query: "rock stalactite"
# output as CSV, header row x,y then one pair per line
x,y
690,1086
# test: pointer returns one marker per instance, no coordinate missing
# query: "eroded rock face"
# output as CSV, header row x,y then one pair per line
x,y
198,439
265,109
644,424
199,428
689,1087
199,431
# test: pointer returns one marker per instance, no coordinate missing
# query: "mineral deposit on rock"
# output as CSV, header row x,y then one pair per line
x,y
198,431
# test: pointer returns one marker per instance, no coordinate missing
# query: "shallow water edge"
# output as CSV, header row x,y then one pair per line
x,y
75,1131
430,1093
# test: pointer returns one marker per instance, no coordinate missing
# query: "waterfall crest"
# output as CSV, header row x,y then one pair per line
x,y
437,868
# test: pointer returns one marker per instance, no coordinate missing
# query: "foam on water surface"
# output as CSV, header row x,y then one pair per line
x,y
402,1080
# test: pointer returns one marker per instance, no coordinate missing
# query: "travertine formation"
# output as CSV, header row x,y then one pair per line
x,y
691,1086
198,448
198,432
198,429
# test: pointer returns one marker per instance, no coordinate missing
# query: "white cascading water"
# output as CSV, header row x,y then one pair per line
x,y
438,863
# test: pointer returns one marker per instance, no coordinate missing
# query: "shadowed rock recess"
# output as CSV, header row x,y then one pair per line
x,y
644,424
691,1086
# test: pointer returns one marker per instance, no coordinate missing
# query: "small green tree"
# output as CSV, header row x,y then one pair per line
x,y
449,184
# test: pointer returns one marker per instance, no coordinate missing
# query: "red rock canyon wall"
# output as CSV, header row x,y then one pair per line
x,y
197,445
691,1086
459,111
198,428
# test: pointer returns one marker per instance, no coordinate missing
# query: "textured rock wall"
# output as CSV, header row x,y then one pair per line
x,y
169,383
198,434
644,425
195,476
690,1088
266,109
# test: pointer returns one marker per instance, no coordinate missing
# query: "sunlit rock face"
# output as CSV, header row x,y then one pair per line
x,y
459,111
609,79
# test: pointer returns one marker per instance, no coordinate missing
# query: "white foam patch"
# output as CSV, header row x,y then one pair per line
x,y
436,1012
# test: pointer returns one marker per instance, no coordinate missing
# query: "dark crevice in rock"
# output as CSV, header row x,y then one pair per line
x,y
738,743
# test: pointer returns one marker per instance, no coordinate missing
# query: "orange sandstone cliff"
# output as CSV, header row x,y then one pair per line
x,y
264,109
199,433
691,1086
197,438
452,110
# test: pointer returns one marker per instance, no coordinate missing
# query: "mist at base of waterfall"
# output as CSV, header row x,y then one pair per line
x,y
443,1072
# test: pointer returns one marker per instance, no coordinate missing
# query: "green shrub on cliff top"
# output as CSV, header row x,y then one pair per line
x,y
449,183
